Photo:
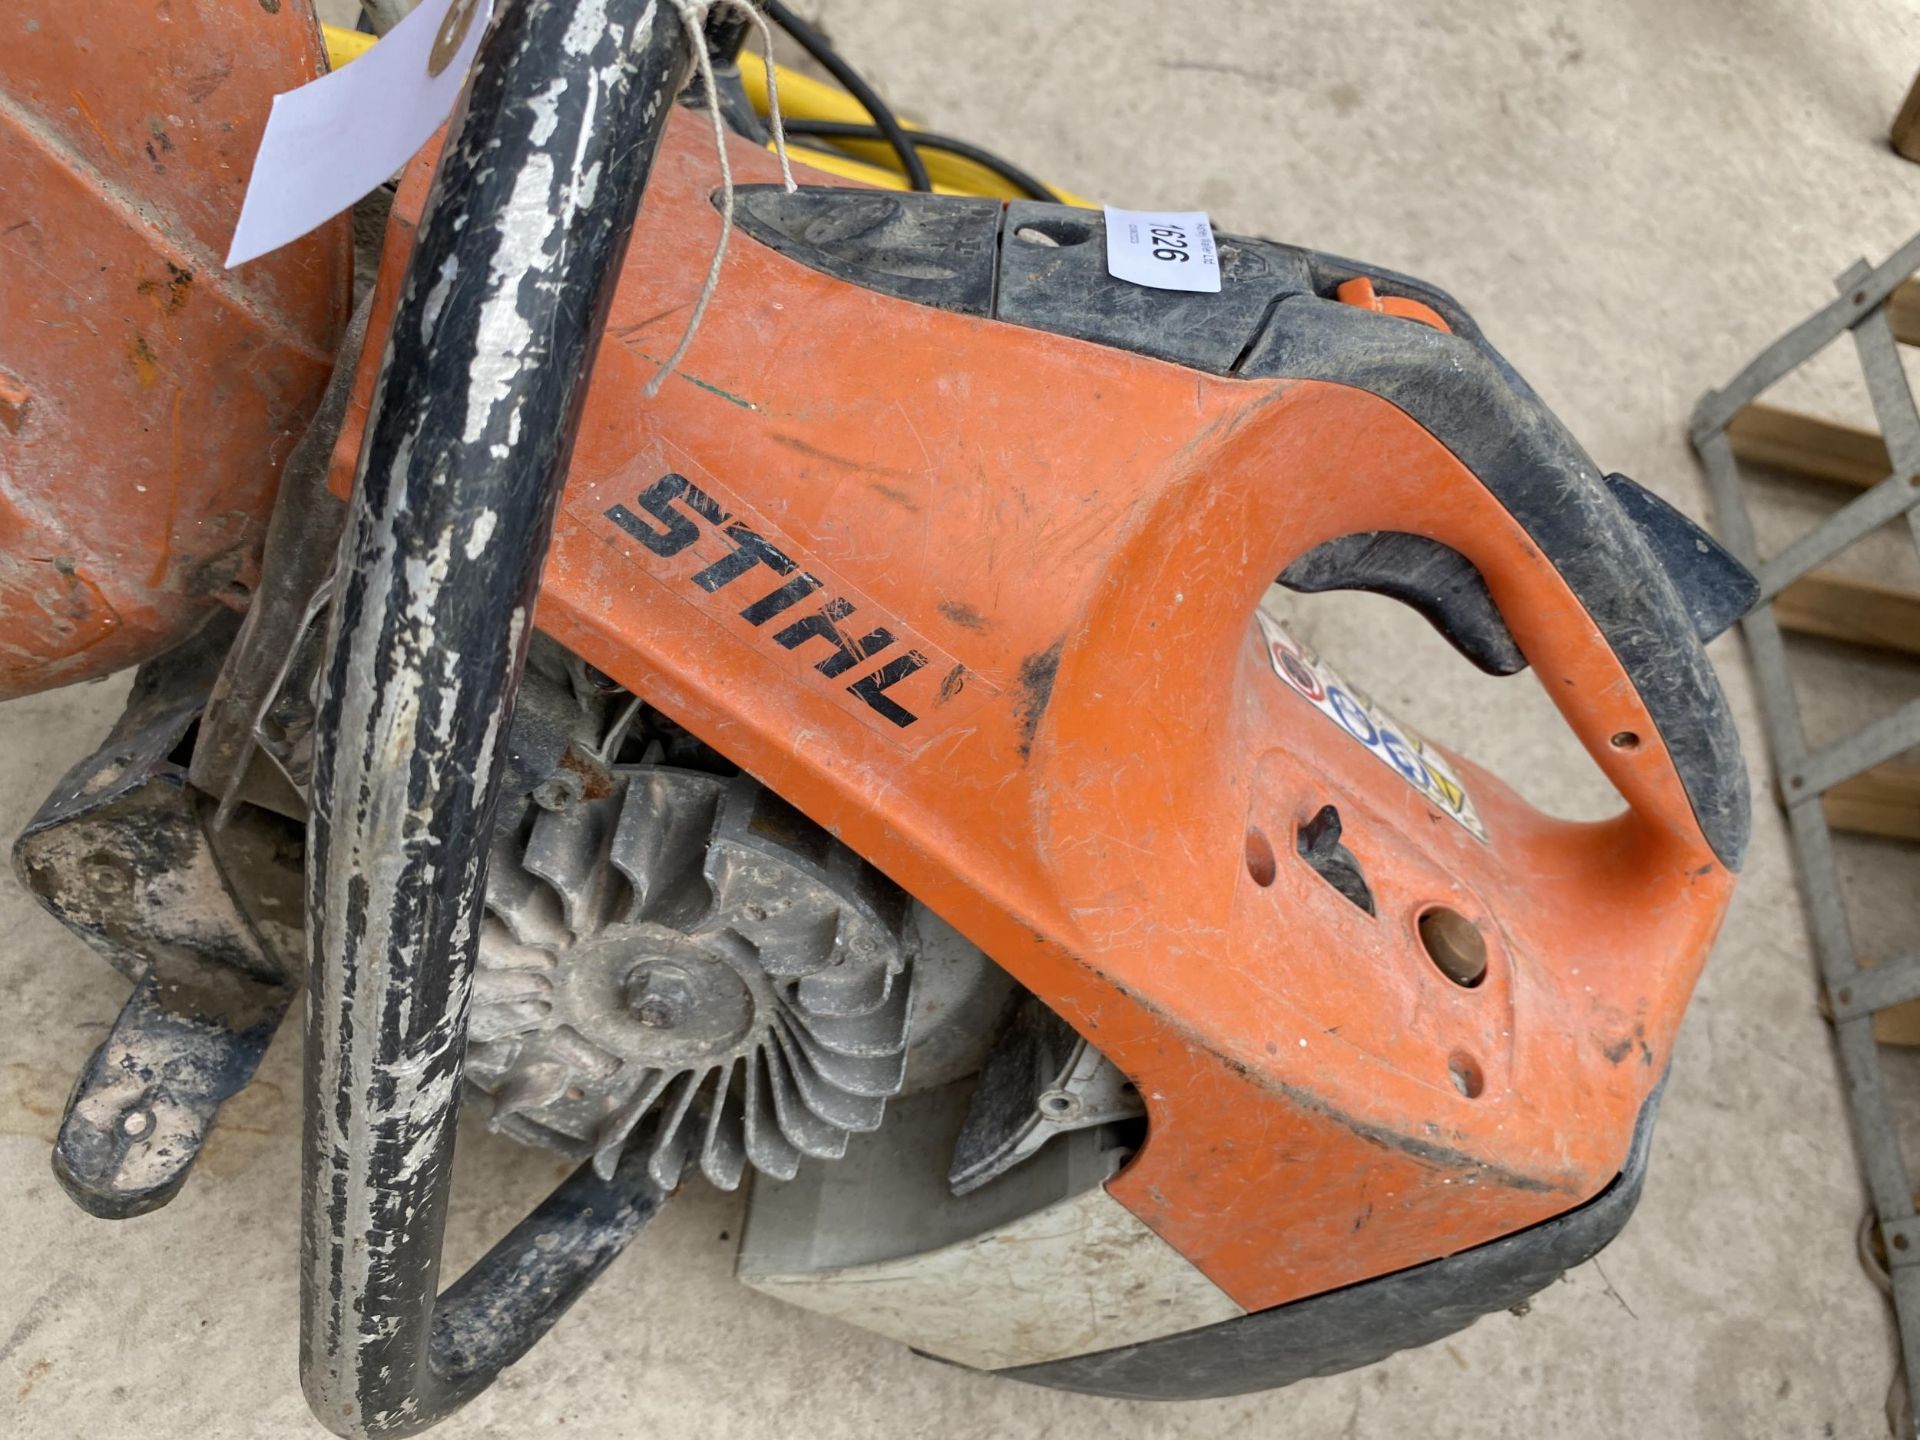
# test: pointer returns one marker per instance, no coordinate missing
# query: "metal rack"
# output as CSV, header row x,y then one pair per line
x,y
1854,994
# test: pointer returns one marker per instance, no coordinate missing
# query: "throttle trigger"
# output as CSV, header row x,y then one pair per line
x,y
1434,579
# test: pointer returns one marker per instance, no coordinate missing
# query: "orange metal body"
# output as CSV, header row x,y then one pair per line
x,y
147,396
1074,541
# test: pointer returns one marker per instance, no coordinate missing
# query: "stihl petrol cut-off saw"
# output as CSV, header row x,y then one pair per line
x,y
863,769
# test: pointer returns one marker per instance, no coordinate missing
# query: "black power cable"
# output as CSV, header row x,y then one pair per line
x,y
815,44
928,140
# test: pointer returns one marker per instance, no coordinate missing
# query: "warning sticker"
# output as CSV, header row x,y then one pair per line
x,y
1385,738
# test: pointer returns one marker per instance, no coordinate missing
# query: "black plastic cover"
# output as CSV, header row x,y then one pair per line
x,y
1716,588
937,250
1053,276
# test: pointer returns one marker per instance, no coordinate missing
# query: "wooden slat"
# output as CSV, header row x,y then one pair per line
x,y
1805,445
1903,309
1860,612
1898,1025
1906,125
1885,801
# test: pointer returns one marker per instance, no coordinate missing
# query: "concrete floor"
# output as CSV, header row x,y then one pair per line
x,y
1633,199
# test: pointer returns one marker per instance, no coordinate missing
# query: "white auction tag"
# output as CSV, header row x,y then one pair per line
x,y
333,140
1168,250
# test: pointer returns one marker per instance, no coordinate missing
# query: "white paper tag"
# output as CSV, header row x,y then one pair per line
x,y
1168,250
333,140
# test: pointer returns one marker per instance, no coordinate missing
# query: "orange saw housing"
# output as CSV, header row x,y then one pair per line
x,y
1017,666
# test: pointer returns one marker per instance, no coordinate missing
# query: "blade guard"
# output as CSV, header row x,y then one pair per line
x,y
148,396
980,600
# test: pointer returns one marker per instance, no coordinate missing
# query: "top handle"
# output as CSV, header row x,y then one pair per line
x,y
467,444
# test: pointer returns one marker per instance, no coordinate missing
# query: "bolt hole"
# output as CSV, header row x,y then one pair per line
x,y
1465,1073
574,1092
1626,740
1900,1242
136,1123
1845,997
1859,297
1455,945
107,873
1260,861
1053,234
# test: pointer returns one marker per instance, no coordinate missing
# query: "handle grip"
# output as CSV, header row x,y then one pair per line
x,y
464,454
1463,394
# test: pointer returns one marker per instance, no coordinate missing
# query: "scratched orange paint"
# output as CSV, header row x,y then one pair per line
x,y
147,396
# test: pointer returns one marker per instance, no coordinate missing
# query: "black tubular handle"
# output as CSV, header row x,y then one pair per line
x,y
1469,399
472,425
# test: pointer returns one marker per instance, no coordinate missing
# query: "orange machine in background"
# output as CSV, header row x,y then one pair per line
x,y
147,396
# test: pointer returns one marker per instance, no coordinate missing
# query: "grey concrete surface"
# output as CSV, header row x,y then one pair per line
x,y
1633,198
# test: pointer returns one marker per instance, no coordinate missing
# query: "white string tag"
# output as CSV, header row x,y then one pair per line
x,y
334,140
693,15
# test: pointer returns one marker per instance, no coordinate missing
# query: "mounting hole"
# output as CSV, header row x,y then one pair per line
x,y
106,872
1900,1242
1059,1104
1260,861
1053,234
1625,740
1464,1070
1455,946
136,1123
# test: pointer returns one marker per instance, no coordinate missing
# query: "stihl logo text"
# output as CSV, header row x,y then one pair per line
x,y
737,568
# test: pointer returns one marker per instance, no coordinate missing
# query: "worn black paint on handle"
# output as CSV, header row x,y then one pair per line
x,y
472,424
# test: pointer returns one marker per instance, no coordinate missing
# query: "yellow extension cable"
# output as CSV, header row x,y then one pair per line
x,y
344,44
804,98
